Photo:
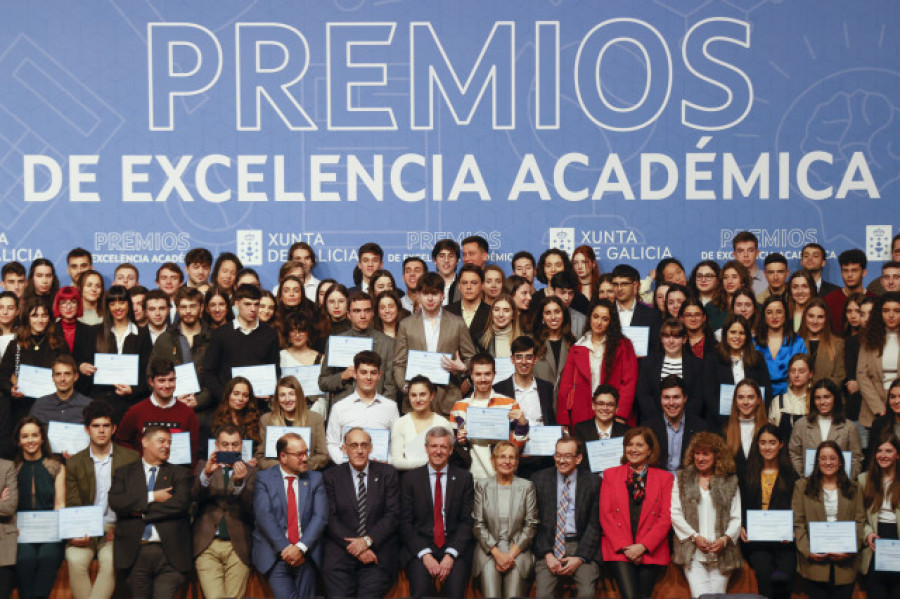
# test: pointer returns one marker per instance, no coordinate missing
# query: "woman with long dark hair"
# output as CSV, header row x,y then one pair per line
x,y
239,407
776,340
602,355
700,339
552,339
743,303
828,495
768,484
584,263
735,358
224,272
42,280
879,356
90,286
880,486
734,278
389,311
800,289
825,348
217,307
748,415
890,420
705,284
825,422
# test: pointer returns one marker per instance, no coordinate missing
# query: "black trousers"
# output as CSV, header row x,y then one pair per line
x,y
774,565
883,585
422,585
348,577
152,576
635,582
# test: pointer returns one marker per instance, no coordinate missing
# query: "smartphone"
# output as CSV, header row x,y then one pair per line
x,y
228,458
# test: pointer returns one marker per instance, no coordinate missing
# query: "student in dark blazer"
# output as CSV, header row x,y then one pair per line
x,y
581,548
470,282
430,552
626,281
152,546
674,425
735,353
605,402
361,551
675,357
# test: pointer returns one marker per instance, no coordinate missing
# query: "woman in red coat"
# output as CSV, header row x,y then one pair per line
x,y
635,516
602,355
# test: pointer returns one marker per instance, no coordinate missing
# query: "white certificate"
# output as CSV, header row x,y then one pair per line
x,y
180,452
887,555
833,537
308,377
381,442
34,381
77,522
726,397
263,378
70,438
810,460
116,369
487,424
38,527
542,440
246,449
186,380
770,525
604,453
428,364
640,339
504,369
273,433
342,350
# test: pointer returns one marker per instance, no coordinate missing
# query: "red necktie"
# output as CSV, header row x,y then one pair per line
x,y
293,518
439,539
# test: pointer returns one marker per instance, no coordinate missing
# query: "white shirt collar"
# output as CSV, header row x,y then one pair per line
x,y
237,325
159,405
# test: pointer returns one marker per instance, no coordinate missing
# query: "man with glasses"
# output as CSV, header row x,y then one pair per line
x,y
603,425
291,511
568,537
363,518
626,281
339,381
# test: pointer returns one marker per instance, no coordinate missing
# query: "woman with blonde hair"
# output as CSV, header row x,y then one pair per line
x,y
289,408
748,415
502,327
826,349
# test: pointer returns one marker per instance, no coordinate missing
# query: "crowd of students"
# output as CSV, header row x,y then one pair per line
x,y
729,388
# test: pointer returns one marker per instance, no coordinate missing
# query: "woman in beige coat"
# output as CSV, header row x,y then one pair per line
x,y
880,486
879,356
506,518
825,422
290,408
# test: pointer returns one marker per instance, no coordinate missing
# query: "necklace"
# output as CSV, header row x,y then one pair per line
x,y
37,344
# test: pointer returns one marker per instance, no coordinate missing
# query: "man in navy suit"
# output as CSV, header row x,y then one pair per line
x,y
363,518
291,512
436,522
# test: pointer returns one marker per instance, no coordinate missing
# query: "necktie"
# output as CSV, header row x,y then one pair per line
x,y
148,530
559,542
362,509
292,517
439,538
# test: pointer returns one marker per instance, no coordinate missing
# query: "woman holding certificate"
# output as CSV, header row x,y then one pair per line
x,y
890,420
37,343
706,515
827,557
635,516
290,408
769,485
505,516
880,486
748,415
552,339
42,487
408,433
879,356
602,355
79,336
735,358
825,422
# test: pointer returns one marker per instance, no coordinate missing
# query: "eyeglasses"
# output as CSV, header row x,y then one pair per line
x,y
564,456
298,454
523,357
706,275
605,405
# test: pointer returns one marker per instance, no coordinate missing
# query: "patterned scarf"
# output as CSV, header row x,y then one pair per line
x,y
637,482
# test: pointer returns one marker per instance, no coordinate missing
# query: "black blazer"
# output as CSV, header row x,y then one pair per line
x,y
692,425
782,492
479,322
545,395
140,345
417,513
83,348
720,374
383,503
700,402
587,514
586,431
128,498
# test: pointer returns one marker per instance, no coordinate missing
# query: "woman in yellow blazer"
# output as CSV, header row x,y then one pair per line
x,y
828,495
880,486
506,518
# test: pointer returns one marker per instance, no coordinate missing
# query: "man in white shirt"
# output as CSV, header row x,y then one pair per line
x,y
156,309
363,408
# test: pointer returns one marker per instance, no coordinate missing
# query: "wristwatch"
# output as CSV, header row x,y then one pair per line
x,y
368,540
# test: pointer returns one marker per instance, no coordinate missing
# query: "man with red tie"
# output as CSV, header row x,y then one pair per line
x,y
291,511
436,522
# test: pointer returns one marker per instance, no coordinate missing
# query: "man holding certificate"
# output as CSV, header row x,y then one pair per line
x,y
338,380
245,342
88,479
66,404
491,419
436,331
364,407
828,555
161,408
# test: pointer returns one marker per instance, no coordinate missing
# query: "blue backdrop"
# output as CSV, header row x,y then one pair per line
x,y
644,128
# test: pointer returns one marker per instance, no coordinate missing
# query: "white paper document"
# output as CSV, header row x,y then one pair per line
x,y
833,537
640,339
77,522
34,381
428,364
263,378
342,349
504,369
273,433
180,452
186,380
38,527
726,397
604,453
542,440
66,437
770,525
487,424
307,376
116,369
887,555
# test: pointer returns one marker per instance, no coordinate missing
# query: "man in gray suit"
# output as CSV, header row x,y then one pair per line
x,y
340,381
435,330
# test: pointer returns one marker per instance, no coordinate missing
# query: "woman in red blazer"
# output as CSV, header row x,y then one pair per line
x,y
602,355
635,516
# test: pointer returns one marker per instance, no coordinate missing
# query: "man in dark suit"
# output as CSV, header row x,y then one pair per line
x,y
603,425
436,522
291,512
566,546
87,472
363,519
674,429
152,499
471,305
626,282
224,496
